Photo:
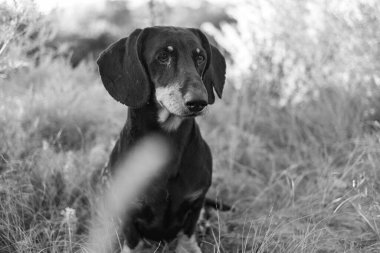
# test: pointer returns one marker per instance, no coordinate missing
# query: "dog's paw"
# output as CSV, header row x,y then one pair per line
x,y
187,244
126,250
137,249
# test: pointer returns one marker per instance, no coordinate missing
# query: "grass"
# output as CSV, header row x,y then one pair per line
x,y
302,178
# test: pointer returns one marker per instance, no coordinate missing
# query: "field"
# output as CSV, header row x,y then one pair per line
x,y
301,171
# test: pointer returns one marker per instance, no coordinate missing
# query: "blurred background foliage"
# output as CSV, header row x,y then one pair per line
x,y
295,138
289,46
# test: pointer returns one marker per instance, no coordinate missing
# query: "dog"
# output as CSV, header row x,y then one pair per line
x,y
166,76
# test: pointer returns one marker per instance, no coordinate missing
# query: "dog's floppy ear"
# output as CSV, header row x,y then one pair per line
x,y
123,73
215,70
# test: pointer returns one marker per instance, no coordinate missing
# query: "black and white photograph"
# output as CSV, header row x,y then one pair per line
x,y
189,126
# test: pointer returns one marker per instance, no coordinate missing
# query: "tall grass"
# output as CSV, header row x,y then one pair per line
x,y
302,178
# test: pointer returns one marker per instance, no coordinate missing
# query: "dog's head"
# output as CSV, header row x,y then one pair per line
x,y
177,66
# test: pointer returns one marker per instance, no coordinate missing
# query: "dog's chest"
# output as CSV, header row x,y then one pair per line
x,y
166,207
177,190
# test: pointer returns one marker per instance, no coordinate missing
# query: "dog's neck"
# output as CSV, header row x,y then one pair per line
x,y
142,122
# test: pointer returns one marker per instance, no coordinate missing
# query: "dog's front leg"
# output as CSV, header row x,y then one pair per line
x,y
186,239
132,239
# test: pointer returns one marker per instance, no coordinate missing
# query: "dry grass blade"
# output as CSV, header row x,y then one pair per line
x,y
133,174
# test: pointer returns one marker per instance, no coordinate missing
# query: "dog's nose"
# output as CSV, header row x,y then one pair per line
x,y
196,105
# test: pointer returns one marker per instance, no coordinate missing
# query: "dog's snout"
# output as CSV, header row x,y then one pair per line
x,y
196,97
196,105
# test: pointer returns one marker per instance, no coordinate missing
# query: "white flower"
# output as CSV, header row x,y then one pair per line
x,y
69,214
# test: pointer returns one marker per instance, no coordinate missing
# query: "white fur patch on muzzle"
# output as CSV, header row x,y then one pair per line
x,y
171,102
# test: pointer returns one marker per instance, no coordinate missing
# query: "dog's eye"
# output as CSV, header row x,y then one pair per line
x,y
200,59
163,57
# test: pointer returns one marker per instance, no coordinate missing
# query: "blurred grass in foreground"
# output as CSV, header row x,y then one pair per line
x,y
303,174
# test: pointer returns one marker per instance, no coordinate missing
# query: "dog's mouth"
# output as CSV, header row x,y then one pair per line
x,y
184,115
193,115
190,114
